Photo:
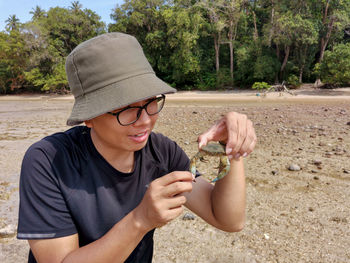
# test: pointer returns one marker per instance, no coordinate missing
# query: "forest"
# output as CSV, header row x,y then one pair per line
x,y
191,44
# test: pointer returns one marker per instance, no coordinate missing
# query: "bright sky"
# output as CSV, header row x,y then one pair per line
x,y
21,8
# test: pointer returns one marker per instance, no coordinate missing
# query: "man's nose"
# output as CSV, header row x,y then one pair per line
x,y
144,118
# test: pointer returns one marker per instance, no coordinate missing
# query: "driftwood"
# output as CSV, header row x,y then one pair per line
x,y
280,88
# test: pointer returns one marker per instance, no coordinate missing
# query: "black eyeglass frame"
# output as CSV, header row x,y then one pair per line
x,y
116,114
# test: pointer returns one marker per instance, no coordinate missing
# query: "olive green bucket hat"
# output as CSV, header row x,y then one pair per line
x,y
108,72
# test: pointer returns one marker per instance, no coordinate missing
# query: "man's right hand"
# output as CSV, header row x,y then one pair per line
x,y
163,200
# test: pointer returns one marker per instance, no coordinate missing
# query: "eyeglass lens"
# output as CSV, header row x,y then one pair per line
x,y
131,115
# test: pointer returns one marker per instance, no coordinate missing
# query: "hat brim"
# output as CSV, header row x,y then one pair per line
x,y
117,95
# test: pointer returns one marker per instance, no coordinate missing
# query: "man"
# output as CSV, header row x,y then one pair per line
x,y
95,193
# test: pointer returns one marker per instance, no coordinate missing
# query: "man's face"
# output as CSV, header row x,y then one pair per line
x,y
108,134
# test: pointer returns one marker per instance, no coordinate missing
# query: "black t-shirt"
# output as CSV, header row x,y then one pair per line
x,y
67,187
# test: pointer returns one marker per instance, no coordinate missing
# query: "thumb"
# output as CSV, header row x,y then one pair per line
x,y
202,140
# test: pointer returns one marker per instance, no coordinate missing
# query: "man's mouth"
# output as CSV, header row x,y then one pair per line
x,y
139,137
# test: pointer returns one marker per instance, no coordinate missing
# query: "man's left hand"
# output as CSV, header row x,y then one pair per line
x,y
236,131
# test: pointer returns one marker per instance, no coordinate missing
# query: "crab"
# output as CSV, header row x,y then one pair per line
x,y
212,149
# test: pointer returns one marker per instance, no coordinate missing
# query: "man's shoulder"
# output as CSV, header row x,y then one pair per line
x,y
60,141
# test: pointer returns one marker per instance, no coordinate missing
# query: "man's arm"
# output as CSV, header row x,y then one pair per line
x,y
162,203
222,205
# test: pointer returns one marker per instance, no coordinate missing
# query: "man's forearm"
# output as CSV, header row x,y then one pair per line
x,y
229,198
115,246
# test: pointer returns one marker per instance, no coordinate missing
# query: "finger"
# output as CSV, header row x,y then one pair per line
x,y
175,212
239,133
177,188
252,146
174,177
245,148
214,133
176,201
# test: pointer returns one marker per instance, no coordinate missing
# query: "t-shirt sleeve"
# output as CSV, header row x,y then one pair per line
x,y
43,212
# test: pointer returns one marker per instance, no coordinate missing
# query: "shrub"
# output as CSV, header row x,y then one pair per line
x,y
260,85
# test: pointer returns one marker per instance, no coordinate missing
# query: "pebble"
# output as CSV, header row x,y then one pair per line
x,y
348,123
346,171
188,216
317,162
328,154
266,236
294,167
8,231
274,172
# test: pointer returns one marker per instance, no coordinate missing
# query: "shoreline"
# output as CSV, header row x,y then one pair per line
x,y
301,95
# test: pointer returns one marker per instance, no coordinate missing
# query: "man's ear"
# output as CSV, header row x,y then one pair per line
x,y
88,123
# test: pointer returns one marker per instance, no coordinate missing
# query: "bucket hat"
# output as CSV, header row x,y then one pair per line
x,y
108,72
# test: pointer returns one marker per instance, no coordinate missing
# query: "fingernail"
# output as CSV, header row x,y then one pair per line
x,y
244,155
237,156
200,145
228,151
193,178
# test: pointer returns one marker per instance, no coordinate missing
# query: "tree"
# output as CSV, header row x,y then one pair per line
x,y
232,11
51,38
37,12
335,66
335,17
76,6
216,27
12,23
14,57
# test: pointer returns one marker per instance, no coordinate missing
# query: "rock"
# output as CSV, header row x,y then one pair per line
x,y
188,216
317,162
348,123
274,172
328,154
8,231
266,236
294,167
346,171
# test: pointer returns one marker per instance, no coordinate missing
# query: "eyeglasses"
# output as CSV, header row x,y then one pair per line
x,y
131,114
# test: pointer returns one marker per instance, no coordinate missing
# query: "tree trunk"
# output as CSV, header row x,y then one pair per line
x,y
324,41
230,39
255,35
301,71
278,54
231,59
217,52
272,21
286,50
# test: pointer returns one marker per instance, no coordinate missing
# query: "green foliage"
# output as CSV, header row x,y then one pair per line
x,y
54,82
214,80
260,86
14,57
188,42
335,67
293,80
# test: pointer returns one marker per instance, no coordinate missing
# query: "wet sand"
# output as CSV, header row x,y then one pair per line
x,y
292,216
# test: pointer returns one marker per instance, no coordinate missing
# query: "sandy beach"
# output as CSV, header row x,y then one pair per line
x,y
292,216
